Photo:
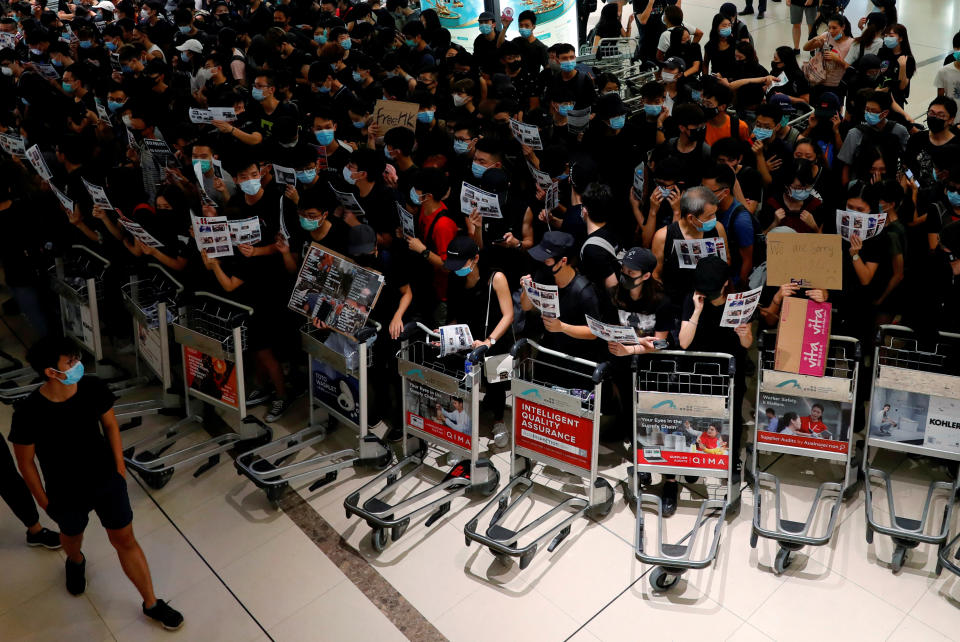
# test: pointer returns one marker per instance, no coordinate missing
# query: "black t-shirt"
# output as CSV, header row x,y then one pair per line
x,y
577,300
73,452
256,119
710,336
596,262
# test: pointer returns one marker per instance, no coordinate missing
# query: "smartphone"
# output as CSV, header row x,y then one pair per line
x,y
660,344
909,175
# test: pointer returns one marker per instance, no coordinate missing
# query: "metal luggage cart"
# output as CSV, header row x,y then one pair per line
x,y
610,54
828,403
153,298
913,409
212,336
429,382
630,85
78,279
555,426
339,385
679,399
804,111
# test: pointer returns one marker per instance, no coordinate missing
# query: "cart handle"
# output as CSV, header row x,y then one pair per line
x,y
599,369
477,354
365,333
160,268
84,248
710,355
245,308
413,326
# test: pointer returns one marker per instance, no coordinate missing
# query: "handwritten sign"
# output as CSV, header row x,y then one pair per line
x,y
814,258
388,114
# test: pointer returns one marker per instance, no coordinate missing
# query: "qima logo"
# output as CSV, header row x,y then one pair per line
x,y
531,392
668,403
415,372
796,384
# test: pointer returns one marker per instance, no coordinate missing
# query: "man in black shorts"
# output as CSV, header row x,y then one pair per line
x,y
60,424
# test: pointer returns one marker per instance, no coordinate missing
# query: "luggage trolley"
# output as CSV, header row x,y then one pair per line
x,y
434,395
78,279
913,409
555,426
154,303
339,385
683,404
212,336
821,413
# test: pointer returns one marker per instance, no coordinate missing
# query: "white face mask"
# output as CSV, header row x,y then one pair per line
x,y
668,77
128,121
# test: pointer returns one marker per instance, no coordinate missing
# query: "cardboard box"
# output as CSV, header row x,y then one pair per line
x,y
803,337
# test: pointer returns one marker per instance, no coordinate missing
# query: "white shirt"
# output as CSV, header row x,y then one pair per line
x,y
948,79
458,420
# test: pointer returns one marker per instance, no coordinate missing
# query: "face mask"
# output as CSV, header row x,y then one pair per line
x,y
936,125
6,71
67,87
324,136
85,44
359,124
425,117
128,121
954,198
307,176
114,106
36,52
144,15
205,165
346,43
486,29
698,134
695,95
309,224
652,110
357,78
323,89
709,225
891,42
459,100
257,94
461,146
956,55
126,69
725,32
185,29
564,109
617,122
320,38
386,154
762,133
73,374
410,43
526,32
568,65
185,57
56,63
666,76
477,169
710,112
464,271
871,118
250,187
665,191
799,194
562,177
348,176
111,46
628,282
416,200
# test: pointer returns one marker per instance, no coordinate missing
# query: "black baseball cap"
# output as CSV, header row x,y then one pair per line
x,y
460,250
711,274
362,239
829,100
554,245
639,258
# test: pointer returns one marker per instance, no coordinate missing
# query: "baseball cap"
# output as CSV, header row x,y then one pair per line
x,y
362,239
554,245
728,10
460,250
783,102
191,45
486,15
829,101
106,6
639,258
711,274
674,62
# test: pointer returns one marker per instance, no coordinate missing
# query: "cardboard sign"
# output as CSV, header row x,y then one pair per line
x,y
817,259
803,335
394,113
554,433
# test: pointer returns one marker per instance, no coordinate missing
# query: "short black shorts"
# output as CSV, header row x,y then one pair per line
x,y
110,500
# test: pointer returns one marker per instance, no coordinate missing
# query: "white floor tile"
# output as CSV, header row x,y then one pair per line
x,y
913,629
54,614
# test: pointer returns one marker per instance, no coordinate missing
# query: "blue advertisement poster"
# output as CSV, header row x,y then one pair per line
x,y
459,17
335,390
556,19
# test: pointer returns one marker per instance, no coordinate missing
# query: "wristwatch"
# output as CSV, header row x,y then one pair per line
x,y
426,253
492,341
856,257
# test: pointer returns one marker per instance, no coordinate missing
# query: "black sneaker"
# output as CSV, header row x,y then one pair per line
x,y
277,408
669,496
45,538
76,576
165,614
256,397
748,11
394,435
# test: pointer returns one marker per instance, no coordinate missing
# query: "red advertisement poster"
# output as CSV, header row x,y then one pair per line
x,y
562,436
684,442
215,378
442,415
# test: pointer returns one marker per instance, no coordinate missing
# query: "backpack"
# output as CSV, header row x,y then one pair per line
x,y
888,144
603,244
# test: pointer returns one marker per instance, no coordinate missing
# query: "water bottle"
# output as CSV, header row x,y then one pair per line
x,y
467,367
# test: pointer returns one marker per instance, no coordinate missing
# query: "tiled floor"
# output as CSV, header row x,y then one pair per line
x,y
241,570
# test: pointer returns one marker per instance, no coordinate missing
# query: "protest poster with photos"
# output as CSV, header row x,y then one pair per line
x,y
474,198
245,231
526,134
97,194
406,221
207,116
690,251
334,289
542,178
865,226
212,235
349,203
617,333
284,175
454,338
545,298
740,307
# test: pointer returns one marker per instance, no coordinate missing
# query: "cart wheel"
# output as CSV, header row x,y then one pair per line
x,y
378,539
383,462
869,535
503,558
899,557
782,561
156,481
275,493
491,486
601,510
661,580
754,538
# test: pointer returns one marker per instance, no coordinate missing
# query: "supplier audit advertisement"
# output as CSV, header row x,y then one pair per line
x,y
442,415
682,442
810,423
211,377
553,433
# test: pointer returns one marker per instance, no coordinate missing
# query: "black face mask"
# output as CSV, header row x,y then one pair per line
x,y
710,112
776,66
514,66
698,134
936,125
628,282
